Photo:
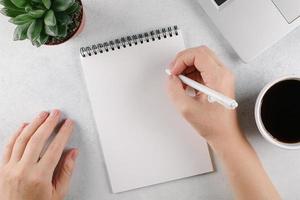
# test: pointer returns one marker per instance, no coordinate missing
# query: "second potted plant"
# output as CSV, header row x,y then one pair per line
x,y
44,22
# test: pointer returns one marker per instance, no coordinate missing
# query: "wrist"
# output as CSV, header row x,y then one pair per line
x,y
228,140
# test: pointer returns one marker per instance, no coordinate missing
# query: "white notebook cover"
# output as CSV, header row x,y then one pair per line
x,y
144,140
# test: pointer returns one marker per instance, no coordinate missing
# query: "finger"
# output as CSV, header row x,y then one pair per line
x,y
178,94
56,173
9,147
185,59
196,76
39,138
189,70
202,98
189,91
193,57
213,55
55,149
24,137
63,172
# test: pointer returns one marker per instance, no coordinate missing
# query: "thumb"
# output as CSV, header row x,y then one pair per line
x,y
178,95
64,172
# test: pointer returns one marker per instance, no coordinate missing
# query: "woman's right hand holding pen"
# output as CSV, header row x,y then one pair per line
x,y
218,125
212,120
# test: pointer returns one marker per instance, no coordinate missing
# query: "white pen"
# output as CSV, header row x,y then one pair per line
x,y
213,96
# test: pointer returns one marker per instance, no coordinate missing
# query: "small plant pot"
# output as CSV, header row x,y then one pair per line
x,y
79,21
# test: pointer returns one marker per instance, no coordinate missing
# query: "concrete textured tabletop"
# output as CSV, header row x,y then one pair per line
x,y
34,79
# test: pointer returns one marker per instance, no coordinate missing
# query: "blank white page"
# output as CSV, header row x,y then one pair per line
x,y
144,140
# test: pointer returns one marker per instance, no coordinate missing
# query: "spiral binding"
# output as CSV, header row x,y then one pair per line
x,y
129,41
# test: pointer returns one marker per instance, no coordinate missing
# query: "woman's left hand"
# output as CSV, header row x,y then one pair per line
x,y
24,174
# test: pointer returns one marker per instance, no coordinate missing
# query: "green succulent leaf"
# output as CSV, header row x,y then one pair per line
x,y
10,9
63,18
21,19
35,29
43,38
36,1
36,13
74,8
62,5
9,4
47,3
50,19
40,20
36,43
62,30
40,6
10,12
21,32
28,8
19,3
51,30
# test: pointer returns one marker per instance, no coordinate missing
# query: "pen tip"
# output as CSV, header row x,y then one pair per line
x,y
168,72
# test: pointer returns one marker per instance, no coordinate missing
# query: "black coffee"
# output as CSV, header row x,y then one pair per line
x,y
280,111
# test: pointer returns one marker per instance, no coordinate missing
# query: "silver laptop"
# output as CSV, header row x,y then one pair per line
x,y
251,26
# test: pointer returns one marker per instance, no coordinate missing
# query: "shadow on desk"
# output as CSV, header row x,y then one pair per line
x,y
246,114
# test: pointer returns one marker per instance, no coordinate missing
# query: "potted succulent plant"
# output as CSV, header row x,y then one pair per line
x,y
48,22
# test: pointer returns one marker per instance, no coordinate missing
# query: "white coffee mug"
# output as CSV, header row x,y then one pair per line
x,y
258,119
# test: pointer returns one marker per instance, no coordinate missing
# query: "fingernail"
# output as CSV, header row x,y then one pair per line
x,y
69,122
43,114
54,113
74,155
24,124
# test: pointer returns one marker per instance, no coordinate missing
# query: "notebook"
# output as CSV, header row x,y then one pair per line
x,y
144,140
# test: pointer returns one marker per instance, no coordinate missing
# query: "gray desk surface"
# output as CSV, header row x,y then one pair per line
x,y
34,79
